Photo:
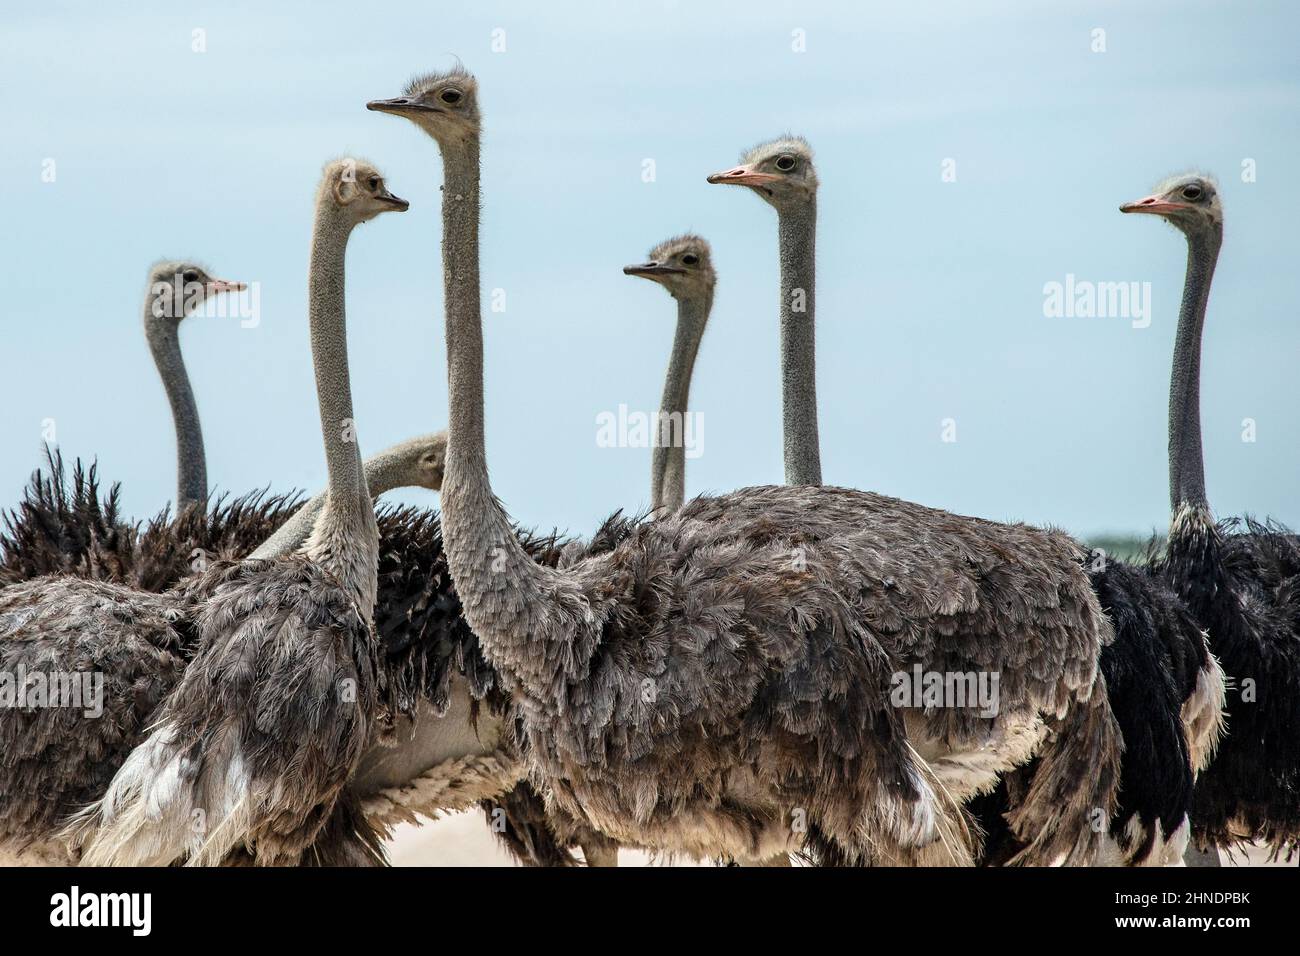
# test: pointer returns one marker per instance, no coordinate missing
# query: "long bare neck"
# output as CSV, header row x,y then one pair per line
x,y
191,465
668,460
798,235
499,584
1186,460
466,455
345,539
385,471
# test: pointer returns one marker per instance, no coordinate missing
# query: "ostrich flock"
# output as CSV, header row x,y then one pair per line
x,y
282,682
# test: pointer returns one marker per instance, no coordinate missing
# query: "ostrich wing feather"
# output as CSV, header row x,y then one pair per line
x,y
54,759
256,742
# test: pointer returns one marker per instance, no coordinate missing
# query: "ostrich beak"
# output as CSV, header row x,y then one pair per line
x,y
743,176
1157,205
401,106
398,203
652,270
225,285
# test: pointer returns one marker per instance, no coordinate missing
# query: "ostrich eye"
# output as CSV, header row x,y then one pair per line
x,y
1192,191
374,182
450,96
190,276
785,163
690,259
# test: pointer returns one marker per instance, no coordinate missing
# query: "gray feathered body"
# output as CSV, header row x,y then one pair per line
x,y
723,674
239,702
54,760
253,747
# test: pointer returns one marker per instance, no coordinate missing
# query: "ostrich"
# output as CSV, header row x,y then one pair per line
x,y
58,530
416,617
283,684
781,171
69,530
255,526
454,746
1166,690
451,755
417,462
1158,666
176,290
1251,791
735,656
683,266
65,527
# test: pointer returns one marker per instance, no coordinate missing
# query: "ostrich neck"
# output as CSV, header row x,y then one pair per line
x,y
668,460
345,539
385,471
798,236
464,327
500,586
1186,461
191,465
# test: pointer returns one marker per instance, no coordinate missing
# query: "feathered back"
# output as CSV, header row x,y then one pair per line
x,y
1231,582
418,614
1269,554
57,529
66,527
172,548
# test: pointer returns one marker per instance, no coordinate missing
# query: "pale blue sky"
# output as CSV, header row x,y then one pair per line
x,y
929,293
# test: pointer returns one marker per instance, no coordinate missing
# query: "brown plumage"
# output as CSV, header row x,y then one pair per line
x,y
54,760
258,738
281,695
425,642
440,676
1166,691
66,528
728,665
1154,669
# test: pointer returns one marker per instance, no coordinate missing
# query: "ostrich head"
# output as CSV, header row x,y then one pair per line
x,y
682,265
357,190
178,287
1190,202
444,105
780,171
422,461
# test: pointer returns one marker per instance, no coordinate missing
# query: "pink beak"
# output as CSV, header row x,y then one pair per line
x,y
1153,204
224,285
743,176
